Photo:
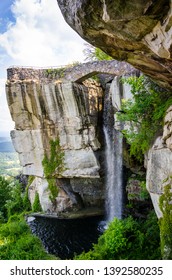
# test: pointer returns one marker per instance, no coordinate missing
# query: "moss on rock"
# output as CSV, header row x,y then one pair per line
x,y
165,203
53,167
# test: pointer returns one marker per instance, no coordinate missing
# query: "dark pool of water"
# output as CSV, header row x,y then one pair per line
x,y
65,238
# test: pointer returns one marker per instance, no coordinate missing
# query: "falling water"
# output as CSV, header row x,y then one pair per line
x,y
113,162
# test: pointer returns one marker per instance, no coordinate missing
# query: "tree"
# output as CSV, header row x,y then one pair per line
x,y
144,114
92,54
5,194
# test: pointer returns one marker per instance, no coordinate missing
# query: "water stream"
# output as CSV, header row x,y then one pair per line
x,y
113,162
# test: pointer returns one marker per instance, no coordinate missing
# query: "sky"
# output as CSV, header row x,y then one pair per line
x,y
33,33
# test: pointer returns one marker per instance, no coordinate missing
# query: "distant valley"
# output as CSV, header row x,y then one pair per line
x,y
9,162
6,145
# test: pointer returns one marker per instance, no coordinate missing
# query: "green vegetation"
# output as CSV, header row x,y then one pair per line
x,y
53,73
26,200
36,207
18,243
4,197
144,113
15,204
136,188
165,203
59,72
53,167
124,239
127,239
92,54
144,194
16,239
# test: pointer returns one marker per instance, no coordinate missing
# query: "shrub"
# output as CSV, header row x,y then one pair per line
x,y
127,240
92,54
144,113
15,203
26,201
16,239
17,242
5,190
36,207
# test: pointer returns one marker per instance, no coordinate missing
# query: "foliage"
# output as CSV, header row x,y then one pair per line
x,y
12,198
91,54
16,239
36,207
143,113
5,189
17,242
165,203
136,188
31,178
26,201
127,239
55,163
18,200
53,167
15,203
52,73
144,194
59,72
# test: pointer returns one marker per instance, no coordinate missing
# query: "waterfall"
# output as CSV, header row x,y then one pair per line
x,y
113,162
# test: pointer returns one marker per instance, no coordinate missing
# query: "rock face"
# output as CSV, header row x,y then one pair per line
x,y
159,169
159,162
167,132
138,32
50,110
45,109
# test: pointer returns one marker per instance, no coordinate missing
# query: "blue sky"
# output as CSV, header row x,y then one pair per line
x,y
33,33
5,14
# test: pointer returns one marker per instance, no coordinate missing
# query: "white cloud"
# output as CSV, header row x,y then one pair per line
x,y
39,37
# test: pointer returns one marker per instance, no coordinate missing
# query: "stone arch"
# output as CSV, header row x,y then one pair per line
x,y
83,71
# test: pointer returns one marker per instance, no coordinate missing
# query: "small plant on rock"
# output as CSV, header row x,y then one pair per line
x,y
36,207
53,167
144,114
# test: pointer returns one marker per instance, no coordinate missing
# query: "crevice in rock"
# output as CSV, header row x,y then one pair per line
x,y
74,196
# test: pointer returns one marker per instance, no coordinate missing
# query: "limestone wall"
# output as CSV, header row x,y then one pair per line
x,y
159,162
48,110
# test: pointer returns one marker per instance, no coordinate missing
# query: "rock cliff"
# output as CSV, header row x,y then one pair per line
x,y
46,107
49,110
138,32
159,162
